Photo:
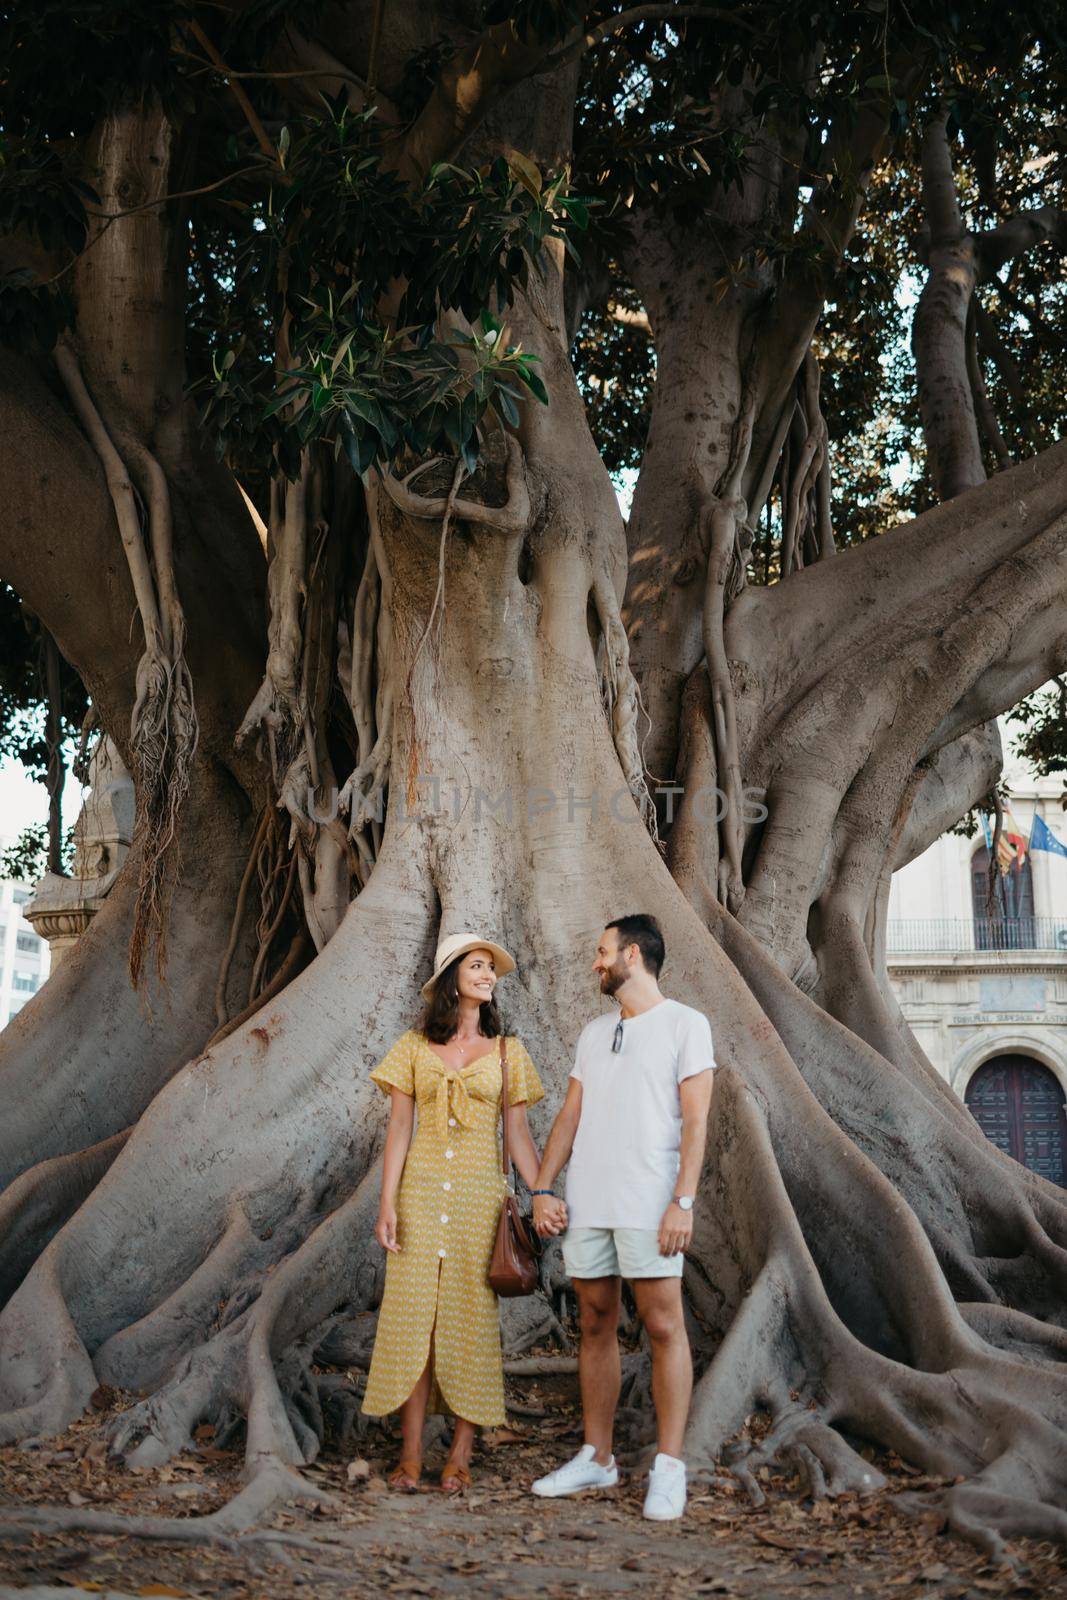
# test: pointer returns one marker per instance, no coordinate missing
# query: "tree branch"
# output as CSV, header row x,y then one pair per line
x,y
314,61
475,77
855,144
1018,234
940,200
247,109
939,327
626,19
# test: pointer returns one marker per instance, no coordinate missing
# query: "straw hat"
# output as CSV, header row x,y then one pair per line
x,y
457,944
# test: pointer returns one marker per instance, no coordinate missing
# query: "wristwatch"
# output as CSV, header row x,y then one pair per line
x,y
685,1201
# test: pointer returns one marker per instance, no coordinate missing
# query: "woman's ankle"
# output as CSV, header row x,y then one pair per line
x,y
462,1446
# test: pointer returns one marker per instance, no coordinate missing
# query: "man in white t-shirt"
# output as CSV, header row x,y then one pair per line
x,y
633,1124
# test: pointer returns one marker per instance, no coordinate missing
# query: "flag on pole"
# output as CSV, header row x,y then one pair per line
x,y
1043,838
1012,842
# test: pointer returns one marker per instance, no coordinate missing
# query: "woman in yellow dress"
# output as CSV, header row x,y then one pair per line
x,y
438,1337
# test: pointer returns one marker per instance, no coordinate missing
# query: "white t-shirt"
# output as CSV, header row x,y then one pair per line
x,y
624,1163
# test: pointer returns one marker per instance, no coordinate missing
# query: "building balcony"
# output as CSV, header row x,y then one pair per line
x,y
914,936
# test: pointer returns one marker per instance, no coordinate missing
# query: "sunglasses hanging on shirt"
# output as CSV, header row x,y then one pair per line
x,y
616,1042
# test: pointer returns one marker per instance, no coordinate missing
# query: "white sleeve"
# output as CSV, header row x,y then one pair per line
x,y
576,1070
695,1050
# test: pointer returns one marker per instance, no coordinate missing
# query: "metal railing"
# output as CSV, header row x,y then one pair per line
x,y
921,934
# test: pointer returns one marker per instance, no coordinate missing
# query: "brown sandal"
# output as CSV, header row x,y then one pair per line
x,y
406,1469
455,1477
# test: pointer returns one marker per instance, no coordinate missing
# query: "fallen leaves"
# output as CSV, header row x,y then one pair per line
x,y
495,1436
496,1542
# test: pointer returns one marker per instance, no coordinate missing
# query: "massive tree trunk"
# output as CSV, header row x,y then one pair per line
x,y
864,1263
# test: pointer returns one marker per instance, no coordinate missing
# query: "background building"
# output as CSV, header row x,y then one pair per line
x,y
986,992
26,958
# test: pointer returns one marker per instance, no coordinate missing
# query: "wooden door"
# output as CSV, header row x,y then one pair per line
x,y
1019,1105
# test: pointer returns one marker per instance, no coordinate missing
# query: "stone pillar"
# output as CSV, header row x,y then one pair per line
x,y
63,907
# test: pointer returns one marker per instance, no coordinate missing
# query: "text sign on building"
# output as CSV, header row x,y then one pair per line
x,y
1012,991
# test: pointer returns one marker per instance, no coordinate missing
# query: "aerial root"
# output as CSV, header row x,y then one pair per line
x,y
981,1416
983,1516
164,729
800,1437
260,1364
237,1527
40,1200
622,699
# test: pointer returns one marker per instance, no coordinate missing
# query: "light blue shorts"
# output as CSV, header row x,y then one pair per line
x,y
618,1253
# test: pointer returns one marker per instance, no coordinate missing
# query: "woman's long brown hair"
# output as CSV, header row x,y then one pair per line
x,y
441,1017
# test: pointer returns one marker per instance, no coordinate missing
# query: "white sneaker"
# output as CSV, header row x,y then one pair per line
x,y
665,1500
581,1473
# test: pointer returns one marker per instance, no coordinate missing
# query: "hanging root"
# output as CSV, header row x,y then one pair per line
x,y
622,699
289,705
271,870
363,668
727,552
278,707
856,1330
422,689
164,731
513,517
807,533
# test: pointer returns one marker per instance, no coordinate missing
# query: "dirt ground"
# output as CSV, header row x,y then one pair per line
x,y
499,1540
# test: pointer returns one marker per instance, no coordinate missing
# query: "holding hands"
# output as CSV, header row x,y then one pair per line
x,y
675,1230
549,1215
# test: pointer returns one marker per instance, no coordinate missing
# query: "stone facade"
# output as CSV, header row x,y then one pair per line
x,y
968,1004
63,907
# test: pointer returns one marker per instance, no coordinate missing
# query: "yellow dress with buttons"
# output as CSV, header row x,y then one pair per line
x,y
447,1211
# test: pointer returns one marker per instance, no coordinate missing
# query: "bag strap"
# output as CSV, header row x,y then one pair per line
x,y
504,1106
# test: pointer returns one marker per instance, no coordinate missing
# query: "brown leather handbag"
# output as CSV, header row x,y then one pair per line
x,y
513,1269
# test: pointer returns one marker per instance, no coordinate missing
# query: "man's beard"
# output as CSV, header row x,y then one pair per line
x,y
613,979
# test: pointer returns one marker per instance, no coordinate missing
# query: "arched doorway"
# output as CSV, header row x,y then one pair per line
x,y
1019,1105
1009,923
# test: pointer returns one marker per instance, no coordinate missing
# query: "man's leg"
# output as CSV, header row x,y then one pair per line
x,y
599,1367
659,1305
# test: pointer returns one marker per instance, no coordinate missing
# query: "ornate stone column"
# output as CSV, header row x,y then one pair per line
x,y
63,907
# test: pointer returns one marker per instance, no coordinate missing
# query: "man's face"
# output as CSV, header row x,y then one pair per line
x,y
610,964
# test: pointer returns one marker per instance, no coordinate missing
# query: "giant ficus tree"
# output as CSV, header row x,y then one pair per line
x,y
323,327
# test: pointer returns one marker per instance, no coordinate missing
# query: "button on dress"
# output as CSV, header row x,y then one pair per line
x,y
448,1207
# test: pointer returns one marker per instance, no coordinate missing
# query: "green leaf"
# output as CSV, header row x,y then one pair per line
x,y
527,172
534,384
342,351
282,398
505,406
578,211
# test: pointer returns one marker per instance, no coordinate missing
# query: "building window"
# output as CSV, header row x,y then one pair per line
x,y
20,896
26,981
1006,923
27,942
1018,1104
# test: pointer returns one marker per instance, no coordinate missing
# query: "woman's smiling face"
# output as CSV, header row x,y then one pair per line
x,y
476,978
